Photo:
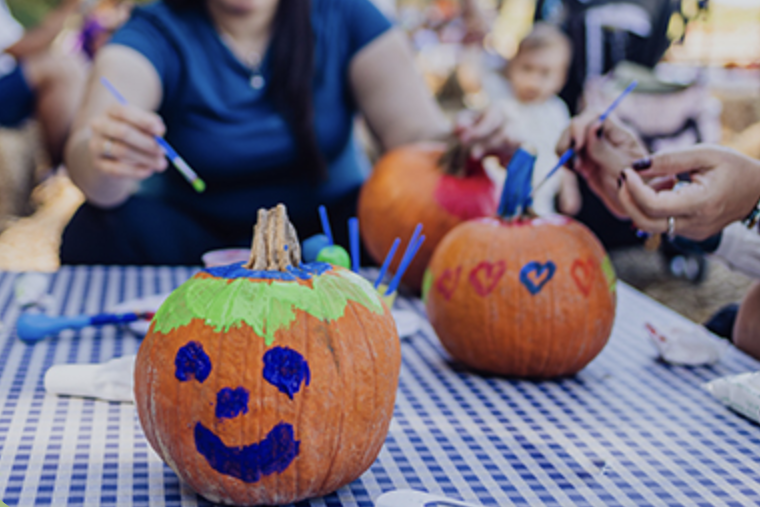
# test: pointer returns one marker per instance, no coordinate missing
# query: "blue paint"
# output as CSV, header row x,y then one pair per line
x,y
304,272
231,402
515,197
249,463
192,363
542,273
286,369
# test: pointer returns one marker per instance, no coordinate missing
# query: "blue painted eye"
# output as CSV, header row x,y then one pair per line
x,y
286,369
192,363
231,402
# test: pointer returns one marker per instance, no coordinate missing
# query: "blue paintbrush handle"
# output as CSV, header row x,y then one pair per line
x,y
36,326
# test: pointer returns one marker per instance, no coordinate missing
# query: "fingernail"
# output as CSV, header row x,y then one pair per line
x,y
571,163
641,164
572,143
620,182
600,132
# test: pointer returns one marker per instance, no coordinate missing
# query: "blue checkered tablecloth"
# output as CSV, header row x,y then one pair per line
x,y
628,430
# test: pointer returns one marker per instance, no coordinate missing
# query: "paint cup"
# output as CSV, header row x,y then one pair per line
x,y
390,299
225,256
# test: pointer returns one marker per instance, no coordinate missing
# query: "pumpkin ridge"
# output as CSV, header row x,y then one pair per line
x,y
368,342
336,450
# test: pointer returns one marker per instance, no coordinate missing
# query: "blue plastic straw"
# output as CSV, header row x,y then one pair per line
x,y
178,162
405,262
570,151
387,261
326,224
353,238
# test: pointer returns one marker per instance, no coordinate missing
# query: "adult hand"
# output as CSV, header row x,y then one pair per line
x,y
724,187
602,150
123,145
486,134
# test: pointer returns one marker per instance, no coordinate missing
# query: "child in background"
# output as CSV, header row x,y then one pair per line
x,y
535,115
36,81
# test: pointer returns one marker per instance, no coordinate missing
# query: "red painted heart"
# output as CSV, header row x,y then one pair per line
x,y
486,275
583,274
448,282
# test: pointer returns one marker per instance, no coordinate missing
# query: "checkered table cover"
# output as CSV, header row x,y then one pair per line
x,y
628,430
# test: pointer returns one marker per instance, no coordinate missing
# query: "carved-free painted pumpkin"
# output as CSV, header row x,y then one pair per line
x,y
269,383
522,297
410,185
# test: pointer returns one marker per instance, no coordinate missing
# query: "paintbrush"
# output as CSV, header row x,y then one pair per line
x,y
570,152
178,162
32,327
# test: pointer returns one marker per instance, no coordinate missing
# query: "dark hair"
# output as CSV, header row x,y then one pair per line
x,y
292,57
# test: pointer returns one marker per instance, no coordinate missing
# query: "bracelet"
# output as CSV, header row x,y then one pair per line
x,y
751,220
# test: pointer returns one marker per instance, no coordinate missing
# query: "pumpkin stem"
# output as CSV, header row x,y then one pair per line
x,y
454,159
275,242
458,161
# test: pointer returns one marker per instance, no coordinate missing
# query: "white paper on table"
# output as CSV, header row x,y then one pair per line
x,y
687,344
412,498
738,392
110,381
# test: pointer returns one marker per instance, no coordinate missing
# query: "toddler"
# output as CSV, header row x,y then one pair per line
x,y
536,116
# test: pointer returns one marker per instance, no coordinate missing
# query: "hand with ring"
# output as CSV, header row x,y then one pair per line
x,y
123,145
723,187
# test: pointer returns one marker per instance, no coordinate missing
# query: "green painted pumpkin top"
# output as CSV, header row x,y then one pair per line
x,y
266,305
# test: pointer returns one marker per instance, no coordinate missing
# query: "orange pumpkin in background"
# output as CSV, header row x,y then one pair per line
x,y
521,296
269,382
422,183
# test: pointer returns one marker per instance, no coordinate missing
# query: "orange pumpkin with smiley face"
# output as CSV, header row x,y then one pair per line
x,y
269,386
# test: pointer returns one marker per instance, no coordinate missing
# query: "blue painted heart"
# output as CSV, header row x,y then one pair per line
x,y
535,275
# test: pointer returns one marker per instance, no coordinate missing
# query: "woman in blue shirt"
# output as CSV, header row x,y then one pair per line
x,y
259,97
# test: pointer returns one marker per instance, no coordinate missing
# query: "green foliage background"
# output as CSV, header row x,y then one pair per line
x,y
29,12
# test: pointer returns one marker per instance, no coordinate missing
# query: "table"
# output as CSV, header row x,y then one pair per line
x,y
628,430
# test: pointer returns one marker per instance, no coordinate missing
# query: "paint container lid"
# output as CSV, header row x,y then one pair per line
x,y
225,256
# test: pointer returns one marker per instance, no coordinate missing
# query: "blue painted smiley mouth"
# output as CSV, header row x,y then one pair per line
x,y
249,462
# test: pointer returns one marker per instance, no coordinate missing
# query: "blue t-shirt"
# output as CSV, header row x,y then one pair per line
x,y
230,132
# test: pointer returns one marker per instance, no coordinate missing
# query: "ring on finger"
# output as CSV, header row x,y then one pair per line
x,y
108,148
671,227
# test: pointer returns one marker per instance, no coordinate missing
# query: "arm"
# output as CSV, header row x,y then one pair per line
x,y
400,109
392,95
125,131
41,36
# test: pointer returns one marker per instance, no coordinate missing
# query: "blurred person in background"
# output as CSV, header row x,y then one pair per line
x,y
35,80
263,113
536,115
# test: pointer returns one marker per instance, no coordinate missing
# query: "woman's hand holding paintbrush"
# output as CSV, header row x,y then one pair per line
x,y
602,150
123,142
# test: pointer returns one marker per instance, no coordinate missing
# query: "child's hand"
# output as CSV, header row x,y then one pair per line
x,y
486,134
602,152
569,198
